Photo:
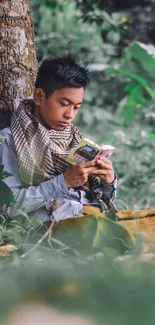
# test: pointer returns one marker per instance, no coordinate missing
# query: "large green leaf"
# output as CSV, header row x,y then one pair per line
x,y
93,232
139,80
6,195
129,111
132,75
141,53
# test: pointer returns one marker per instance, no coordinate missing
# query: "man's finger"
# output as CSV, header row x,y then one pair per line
x,y
90,163
104,164
106,160
100,172
90,170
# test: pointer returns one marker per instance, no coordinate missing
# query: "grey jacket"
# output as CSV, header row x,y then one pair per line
x,y
33,199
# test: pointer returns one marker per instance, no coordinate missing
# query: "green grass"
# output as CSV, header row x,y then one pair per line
x,y
95,287
99,286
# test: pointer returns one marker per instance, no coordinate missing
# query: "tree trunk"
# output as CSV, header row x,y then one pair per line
x,y
18,64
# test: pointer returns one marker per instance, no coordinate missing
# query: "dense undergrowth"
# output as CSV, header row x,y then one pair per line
x,y
100,288
119,110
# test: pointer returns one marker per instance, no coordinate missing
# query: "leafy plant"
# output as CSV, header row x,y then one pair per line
x,y
59,29
120,22
6,195
136,66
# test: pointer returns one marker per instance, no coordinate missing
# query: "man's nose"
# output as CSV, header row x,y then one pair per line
x,y
69,113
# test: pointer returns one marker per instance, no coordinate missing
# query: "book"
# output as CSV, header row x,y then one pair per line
x,y
87,150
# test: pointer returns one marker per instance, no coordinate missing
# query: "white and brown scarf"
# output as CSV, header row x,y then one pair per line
x,y
41,153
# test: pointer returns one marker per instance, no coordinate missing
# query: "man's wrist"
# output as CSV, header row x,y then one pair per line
x,y
111,183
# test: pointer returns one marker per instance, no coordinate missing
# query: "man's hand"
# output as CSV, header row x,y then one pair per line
x,y
77,175
105,170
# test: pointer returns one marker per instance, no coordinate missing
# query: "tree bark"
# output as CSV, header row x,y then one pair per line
x,y
18,64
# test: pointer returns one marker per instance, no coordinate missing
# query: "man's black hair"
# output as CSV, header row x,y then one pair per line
x,y
60,72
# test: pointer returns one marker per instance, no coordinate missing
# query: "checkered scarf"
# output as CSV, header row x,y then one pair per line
x,y
41,153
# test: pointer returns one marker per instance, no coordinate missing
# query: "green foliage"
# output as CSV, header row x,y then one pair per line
x,y
120,22
59,29
18,229
133,159
96,287
119,109
6,195
69,279
112,28
136,67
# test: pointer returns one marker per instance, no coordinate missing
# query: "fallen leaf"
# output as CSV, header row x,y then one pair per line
x,y
5,249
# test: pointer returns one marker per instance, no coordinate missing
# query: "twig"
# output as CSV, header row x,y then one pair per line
x,y
40,240
49,239
64,247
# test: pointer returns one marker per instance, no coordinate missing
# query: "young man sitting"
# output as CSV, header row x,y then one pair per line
x,y
40,138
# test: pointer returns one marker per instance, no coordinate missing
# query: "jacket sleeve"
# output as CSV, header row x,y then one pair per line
x,y
110,190
29,198
107,190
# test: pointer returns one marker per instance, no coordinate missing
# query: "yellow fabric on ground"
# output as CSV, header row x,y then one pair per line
x,y
125,214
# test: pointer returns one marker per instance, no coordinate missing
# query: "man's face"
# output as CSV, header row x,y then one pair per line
x,y
58,110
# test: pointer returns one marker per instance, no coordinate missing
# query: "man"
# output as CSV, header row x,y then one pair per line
x,y
40,138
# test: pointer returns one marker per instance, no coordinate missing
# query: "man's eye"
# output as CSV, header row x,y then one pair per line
x,y
63,104
76,107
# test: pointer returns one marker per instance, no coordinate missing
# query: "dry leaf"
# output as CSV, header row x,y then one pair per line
x,y
5,249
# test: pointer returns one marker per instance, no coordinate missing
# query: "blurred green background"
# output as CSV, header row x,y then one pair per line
x,y
116,39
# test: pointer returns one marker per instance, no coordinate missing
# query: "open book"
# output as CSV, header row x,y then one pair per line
x,y
87,150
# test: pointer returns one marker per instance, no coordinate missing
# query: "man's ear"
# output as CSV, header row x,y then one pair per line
x,y
38,96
